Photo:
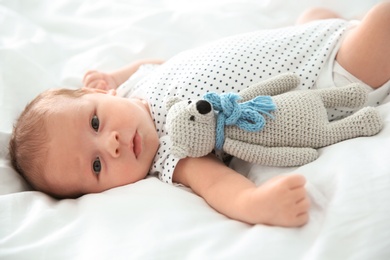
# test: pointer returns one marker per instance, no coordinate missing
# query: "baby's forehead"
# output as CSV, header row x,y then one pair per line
x,y
63,119
64,143
60,104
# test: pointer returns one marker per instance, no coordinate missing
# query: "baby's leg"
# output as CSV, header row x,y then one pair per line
x,y
365,52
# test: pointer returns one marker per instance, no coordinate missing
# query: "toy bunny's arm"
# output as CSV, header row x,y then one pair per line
x,y
271,87
270,156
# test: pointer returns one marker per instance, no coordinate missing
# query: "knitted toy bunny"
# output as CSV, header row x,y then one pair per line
x,y
282,129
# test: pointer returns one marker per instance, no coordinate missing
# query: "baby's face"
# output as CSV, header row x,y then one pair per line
x,y
98,142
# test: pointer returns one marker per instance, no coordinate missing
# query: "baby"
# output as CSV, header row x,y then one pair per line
x,y
72,142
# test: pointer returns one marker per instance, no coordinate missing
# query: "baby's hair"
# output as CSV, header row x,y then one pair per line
x,y
28,147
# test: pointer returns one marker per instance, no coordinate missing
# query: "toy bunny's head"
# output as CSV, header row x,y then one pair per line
x,y
191,126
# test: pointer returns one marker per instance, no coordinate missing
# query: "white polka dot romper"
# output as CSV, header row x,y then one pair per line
x,y
232,64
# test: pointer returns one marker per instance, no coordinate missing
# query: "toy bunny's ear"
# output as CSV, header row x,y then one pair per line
x,y
171,101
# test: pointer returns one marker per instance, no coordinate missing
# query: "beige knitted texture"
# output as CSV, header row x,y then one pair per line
x,y
194,138
301,121
271,87
300,124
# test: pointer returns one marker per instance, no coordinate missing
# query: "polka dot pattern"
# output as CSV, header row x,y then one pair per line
x,y
232,64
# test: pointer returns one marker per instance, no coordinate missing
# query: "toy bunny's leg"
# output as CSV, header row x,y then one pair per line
x,y
271,87
352,96
365,122
270,156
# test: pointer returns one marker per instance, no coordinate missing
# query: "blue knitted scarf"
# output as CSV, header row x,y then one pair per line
x,y
247,115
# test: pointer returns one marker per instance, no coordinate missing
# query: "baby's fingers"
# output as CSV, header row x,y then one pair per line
x,y
97,84
301,219
89,75
94,79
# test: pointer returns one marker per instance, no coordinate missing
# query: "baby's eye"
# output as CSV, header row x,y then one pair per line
x,y
97,166
95,123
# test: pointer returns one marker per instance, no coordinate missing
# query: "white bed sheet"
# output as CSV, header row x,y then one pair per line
x,y
46,44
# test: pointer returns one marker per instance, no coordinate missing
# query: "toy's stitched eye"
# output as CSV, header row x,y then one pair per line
x,y
192,118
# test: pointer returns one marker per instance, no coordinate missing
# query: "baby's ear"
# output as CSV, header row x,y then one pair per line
x,y
171,101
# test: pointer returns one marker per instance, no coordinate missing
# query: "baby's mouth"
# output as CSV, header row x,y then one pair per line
x,y
137,144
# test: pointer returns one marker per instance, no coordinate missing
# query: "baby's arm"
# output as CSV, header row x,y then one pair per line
x,y
281,201
112,80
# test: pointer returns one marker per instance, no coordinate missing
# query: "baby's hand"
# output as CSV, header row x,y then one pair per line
x,y
282,201
99,80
